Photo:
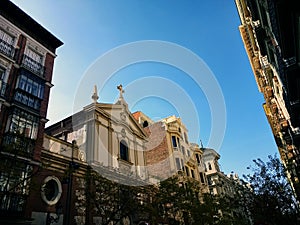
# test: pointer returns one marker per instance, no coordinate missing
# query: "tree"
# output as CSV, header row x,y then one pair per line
x,y
180,200
15,171
271,200
110,201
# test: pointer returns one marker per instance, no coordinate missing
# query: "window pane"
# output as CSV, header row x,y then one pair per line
x,y
31,102
201,177
18,97
123,150
174,141
178,142
40,91
22,82
193,174
187,170
24,99
37,104
29,86
23,123
35,87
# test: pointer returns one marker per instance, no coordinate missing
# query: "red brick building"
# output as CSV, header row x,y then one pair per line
x,y
168,150
27,54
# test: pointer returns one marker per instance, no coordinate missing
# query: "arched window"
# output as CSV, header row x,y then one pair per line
x,y
124,150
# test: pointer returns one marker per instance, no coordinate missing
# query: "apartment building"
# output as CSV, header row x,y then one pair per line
x,y
270,33
169,151
27,54
218,182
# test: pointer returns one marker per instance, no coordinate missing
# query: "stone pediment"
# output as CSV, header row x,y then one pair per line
x,y
117,113
120,115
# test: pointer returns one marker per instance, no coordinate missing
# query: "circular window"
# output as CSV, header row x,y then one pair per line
x,y
51,190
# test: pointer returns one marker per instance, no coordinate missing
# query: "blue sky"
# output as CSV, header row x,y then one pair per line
x,y
208,29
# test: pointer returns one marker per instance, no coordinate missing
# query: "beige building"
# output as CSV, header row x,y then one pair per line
x,y
107,136
169,152
218,182
270,34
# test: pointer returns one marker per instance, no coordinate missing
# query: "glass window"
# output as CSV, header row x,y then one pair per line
x,y
198,158
23,123
174,142
209,166
186,138
18,97
31,102
201,178
22,82
124,150
35,89
24,99
30,86
187,171
178,142
40,91
27,100
192,173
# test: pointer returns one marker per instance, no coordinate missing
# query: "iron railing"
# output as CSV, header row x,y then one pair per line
x,y
18,144
12,202
33,66
7,49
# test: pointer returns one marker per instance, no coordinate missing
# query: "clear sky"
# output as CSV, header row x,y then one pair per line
x,y
206,29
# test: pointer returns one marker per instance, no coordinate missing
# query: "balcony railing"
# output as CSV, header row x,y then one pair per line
x,y
7,49
12,202
33,66
18,144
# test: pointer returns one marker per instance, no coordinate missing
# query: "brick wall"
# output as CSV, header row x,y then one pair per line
x,y
157,153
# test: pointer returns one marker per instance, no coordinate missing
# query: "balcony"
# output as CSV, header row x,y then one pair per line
x,y
17,144
33,66
7,49
12,202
